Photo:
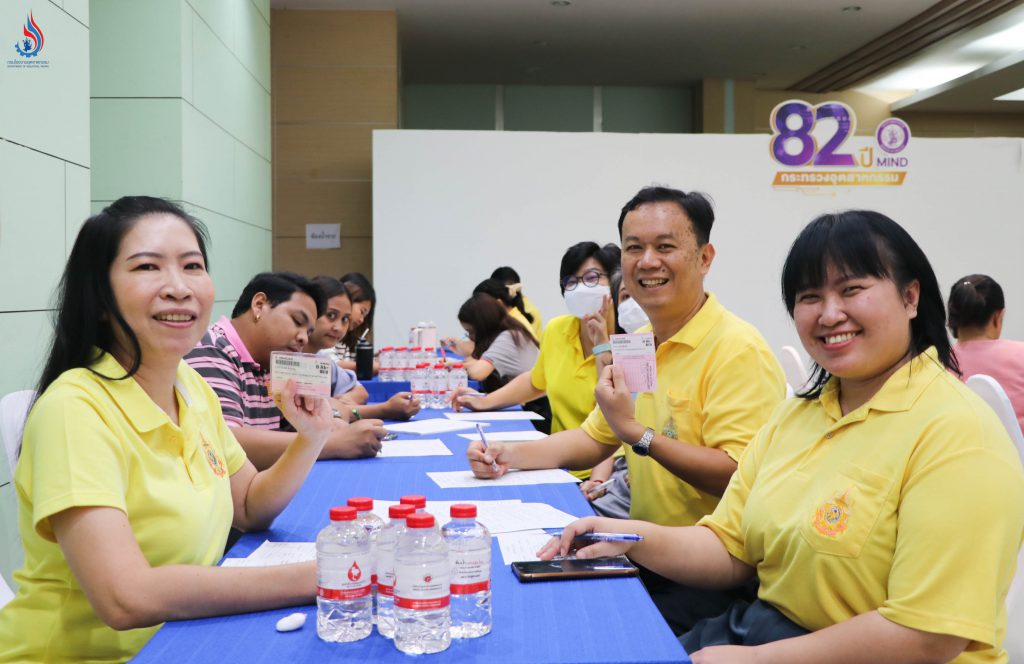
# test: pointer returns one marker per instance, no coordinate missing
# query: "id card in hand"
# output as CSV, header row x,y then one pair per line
x,y
312,373
634,354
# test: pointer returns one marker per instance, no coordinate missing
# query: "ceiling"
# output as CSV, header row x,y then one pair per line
x,y
776,43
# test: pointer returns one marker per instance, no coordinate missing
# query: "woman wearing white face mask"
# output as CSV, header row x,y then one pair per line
x,y
570,358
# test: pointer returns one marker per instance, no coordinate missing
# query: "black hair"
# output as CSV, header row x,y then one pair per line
x,y
489,318
331,287
499,291
86,312
359,290
609,257
973,300
866,243
696,205
509,277
279,287
615,284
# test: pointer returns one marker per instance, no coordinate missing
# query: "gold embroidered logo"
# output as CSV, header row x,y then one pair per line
x,y
833,517
212,458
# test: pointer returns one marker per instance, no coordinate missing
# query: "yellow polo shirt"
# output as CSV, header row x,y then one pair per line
x,y
518,315
912,504
537,324
718,382
94,442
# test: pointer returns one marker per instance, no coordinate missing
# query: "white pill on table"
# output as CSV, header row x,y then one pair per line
x,y
292,622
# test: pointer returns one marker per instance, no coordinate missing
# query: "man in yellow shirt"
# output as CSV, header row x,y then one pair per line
x,y
717,383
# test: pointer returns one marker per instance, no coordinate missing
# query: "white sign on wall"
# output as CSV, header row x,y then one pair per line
x,y
323,236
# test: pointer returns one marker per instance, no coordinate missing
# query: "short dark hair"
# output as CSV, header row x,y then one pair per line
x,y
499,290
867,243
609,257
506,275
696,205
331,287
973,300
278,287
489,319
86,310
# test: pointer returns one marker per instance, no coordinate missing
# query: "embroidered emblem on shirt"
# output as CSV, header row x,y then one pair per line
x,y
212,458
833,517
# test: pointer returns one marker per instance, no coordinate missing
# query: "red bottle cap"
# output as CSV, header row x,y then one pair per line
x,y
420,520
419,502
343,514
463,511
361,504
401,511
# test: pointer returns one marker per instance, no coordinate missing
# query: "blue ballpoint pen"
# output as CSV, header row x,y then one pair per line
x,y
480,430
610,537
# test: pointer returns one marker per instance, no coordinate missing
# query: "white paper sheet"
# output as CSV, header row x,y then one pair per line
x,y
494,416
522,545
524,516
461,479
275,553
506,436
431,426
412,448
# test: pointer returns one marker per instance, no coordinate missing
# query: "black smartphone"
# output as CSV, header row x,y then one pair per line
x,y
573,568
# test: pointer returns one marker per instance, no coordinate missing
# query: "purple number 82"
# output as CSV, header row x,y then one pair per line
x,y
809,116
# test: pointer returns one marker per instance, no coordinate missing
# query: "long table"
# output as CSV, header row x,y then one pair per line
x,y
599,621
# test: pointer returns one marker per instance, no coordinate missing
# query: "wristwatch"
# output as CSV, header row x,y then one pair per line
x,y
642,447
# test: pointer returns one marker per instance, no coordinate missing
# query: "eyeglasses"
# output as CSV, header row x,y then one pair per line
x,y
589,279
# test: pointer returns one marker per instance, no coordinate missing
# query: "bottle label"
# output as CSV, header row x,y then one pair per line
x,y
349,580
385,573
422,587
471,571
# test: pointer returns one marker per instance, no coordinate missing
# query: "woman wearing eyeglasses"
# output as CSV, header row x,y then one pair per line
x,y
573,349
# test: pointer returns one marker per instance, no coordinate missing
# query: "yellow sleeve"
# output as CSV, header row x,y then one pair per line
x,y
75,457
537,375
960,525
727,519
741,395
597,428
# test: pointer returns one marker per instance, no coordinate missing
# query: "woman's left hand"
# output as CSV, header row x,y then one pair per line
x,y
725,655
312,417
616,403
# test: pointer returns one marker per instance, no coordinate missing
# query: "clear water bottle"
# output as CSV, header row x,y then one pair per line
x,y
414,499
439,386
469,551
372,524
422,595
457,377
416,356
387,364
343,562
420,384
401,365
386,543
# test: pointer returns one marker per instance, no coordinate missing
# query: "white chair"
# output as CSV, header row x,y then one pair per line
x,y
13,411
989,389
1014,641
6,595
793,367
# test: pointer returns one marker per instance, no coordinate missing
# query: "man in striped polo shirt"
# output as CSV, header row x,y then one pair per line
x,y
276,311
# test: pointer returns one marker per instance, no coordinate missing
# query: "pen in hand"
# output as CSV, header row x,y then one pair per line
x,y
480,430
601,488
608,537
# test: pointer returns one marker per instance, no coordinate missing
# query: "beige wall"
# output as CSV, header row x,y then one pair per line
x,y
335,80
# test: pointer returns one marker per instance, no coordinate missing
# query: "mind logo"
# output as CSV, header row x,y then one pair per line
x,y
30,46
833,517
354,573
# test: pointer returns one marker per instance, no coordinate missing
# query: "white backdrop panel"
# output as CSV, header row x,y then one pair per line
x,y
450,206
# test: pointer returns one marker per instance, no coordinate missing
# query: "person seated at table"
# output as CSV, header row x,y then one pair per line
x,y
502,346
976,308
129,478
348,396
510,278
364,303
882,510
510,299
717,383
275,312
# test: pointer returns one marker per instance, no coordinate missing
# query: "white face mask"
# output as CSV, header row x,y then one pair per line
x,y
631,316
584,300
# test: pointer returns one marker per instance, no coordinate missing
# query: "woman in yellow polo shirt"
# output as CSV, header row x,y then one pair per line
x,y
514,284
883,510
128,479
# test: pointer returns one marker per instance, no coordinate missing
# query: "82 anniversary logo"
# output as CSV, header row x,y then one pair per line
x,y
810,141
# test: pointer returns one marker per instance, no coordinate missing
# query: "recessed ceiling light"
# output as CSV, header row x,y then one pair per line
x,y
851,8
561,3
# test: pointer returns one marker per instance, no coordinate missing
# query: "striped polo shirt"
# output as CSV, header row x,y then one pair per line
x,y
222,359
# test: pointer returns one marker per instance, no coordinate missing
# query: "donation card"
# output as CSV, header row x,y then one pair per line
x,y
634,354
312,373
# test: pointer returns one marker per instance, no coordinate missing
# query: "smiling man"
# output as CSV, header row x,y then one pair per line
x,y
275,312
717,383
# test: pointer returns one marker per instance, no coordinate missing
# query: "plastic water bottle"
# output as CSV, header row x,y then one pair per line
x,y
387,539
372,524
457,377
469,550
387,364
401,365
439,386
422,578
416,356
343,561
420,384
416,500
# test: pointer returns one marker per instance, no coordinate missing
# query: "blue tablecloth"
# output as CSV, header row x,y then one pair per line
x,y
381,391
605,620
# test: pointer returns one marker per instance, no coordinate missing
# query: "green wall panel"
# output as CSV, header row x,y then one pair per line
x,y
76,202
207,153
549,108
647,110
24,339
136,48
448,106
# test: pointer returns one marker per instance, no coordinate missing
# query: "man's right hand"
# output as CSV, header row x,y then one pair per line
x,y
358,440
488,464
465,398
